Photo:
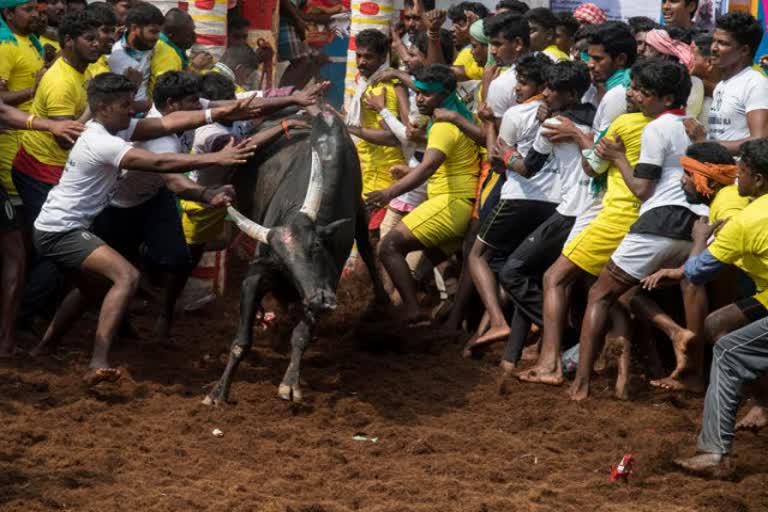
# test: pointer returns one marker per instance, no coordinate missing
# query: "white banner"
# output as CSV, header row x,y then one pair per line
x,y
616,9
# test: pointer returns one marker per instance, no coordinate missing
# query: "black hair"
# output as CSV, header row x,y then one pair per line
x,y
216,87
143,14
663,77
679,34
175,18
710,152
513,6
568,22
104,88
429,5
103,13
446,43
743,27
236,21
568,76
754,154
584,32
240,56
509,26
438,73
616,38
703,42
542,16
639,24
84,2
75,24
175,85
533,67
374,40
456,12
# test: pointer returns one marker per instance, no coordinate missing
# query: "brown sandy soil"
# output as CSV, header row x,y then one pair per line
x,y
447,440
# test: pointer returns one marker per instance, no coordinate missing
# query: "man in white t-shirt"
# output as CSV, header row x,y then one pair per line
x,y
63,227
739,110
509,41
661,236
144,22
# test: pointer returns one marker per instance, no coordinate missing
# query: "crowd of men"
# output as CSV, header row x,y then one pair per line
x,y
592,180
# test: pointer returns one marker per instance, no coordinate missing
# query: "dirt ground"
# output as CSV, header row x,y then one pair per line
x,y
447,440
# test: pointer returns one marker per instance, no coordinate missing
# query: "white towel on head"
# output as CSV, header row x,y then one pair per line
x,y
354,113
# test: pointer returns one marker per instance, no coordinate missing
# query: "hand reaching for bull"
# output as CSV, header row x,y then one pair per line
x,y
219,196
239,110
67,130
377,199
236,153
663,277
308,96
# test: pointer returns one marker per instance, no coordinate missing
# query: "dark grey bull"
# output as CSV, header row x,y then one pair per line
x,y
301,200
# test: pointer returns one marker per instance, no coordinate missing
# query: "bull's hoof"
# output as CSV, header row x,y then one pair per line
x,y
290,393
214,399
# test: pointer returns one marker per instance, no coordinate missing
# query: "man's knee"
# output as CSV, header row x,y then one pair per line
x,y
128,278
391,244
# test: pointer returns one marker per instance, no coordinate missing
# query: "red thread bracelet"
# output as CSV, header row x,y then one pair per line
x,y
284,124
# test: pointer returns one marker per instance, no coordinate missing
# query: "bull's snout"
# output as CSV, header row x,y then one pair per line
x,y
323,300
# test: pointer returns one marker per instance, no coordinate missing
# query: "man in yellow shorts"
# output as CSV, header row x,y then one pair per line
x,y
450,167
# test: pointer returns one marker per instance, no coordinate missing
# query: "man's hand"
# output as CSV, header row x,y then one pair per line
x,y
543,113
238,110
220,196
611,150
399,171
377,102
297,124
377,199
435,19
663,277
200,61
563,132
702,229
445,115
695,130
485,113
235,153
496,155
67,130
134,75
416,133
308,95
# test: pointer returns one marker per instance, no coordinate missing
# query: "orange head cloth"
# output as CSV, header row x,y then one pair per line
x,y
702,171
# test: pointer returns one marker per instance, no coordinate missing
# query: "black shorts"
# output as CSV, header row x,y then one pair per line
x,y
511,221
151,230
752,309
9,221
67,249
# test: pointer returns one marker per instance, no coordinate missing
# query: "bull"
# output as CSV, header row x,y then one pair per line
x,y
301,201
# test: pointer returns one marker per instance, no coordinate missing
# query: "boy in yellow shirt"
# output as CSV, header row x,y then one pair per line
x,y
21,66
378,148
450,166
542,24
107,20
170,53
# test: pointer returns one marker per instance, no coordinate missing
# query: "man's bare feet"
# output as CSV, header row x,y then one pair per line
x,y
676,382
579,390
96,375
494,334
543,375
709,465
682,342
755,420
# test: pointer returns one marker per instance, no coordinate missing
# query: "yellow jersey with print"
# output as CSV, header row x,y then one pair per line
x,y
727,203
45,40
620,205
97,68
555,53
743,241
164,59
472,69
61,93
19,64
458,174
375,159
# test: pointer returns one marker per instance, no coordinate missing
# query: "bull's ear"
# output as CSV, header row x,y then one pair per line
x,y
328,230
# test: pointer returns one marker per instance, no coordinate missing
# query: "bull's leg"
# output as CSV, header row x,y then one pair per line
x,y
365,249
289,388
251,293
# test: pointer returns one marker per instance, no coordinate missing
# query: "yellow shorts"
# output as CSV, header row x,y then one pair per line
x,y
593,247
377,177
441,221
201,224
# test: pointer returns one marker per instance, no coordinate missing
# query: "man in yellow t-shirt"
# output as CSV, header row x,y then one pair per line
x,y
377,147
54,11
107,36
60,95
170,52
739,330
542,24
238,64
21,64
451,167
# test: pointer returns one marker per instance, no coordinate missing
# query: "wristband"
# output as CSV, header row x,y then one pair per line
x,y
30,119
510,157
208,116
284,124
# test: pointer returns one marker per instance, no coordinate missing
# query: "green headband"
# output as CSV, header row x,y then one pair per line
x,y
477,33
429,86
9,4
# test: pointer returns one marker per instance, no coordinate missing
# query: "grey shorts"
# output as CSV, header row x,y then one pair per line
x,y
68,249
8,218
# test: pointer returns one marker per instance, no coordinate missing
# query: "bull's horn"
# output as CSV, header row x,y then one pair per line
x,y
314,189
247,226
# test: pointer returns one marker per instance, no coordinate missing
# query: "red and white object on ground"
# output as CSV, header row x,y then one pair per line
x,y
624,470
